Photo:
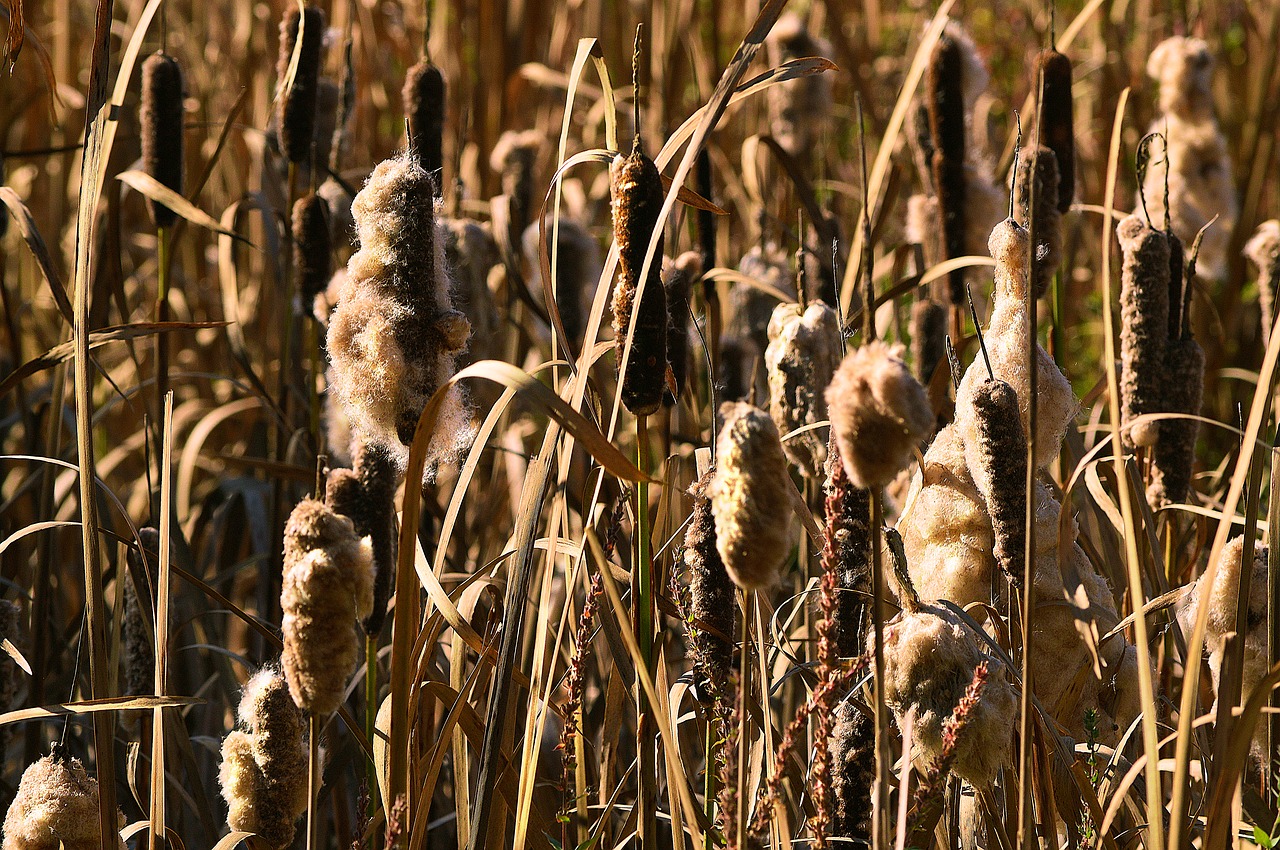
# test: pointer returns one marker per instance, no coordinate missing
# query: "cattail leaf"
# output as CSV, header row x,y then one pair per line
x,y
17,656
157,191
27,226
93,706
34,528
691,198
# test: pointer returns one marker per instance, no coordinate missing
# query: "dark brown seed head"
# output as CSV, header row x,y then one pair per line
x,y
379,479
1056,122
1002,473
162,128
637,200
1144,306
1174,454
1041,162
853,771
706,219
328,107
737,369
424,108
1179,312
712,596
139,659
677,280
514,158
928,338
946,106
847,549
312,251
297,107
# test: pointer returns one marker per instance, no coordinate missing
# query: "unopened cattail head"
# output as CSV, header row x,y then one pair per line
x,y
996,451
928,338
162,142
1039,163
264,762
328,109
945,100
514,158
637,200
712,597
424,111
853,772
800,109
737,369
577,269
138,633
879,414
1263,250
56,806
296,117
328,584
472,255
312,246
1174,453
1144,306
750,498
394,337
379,480
1057,124
677,280
706,218
805,348
751,307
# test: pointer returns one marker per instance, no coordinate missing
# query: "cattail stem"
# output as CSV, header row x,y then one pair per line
x,y
646,739
370,724
880,811
313,780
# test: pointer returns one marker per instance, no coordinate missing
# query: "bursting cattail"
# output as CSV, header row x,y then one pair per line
x,y
799,109
328,584
853,772
1041,163
946,104
1263,250
804,351
637,199
365,495
56,807
395,336
1144,307
162,141
264,762
139,655
514,158
997,456
928,338
846,552
677,280
312,247
749,497
1057,124
296,116
879,414
577,268
424,108
712,599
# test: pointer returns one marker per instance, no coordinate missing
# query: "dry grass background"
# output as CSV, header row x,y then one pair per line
x,y
492,655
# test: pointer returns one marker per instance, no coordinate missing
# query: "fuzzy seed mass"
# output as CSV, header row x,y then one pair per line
x,y
805,349
1263,250
55,807
712,597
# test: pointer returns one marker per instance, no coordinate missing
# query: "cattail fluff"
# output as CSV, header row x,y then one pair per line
x,y
1040,163
879,414
749,497
799,110
162,141
312,247
712,598
395,336
1057,122
637,199
424,108
997,459
139,656
296,117
264,762
56,807
677,280
328,584
1263,249
514,158
366,495
928,338
946,105
577,267
1144,308
805,348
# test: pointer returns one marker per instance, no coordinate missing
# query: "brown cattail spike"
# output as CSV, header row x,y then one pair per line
x,y
1144,305
677,280
577,269
853,772
946,104
379,480
162,141
312,249
1041,162
139,657
424,110
637,200
712,597
1057,125
1000,472
514,158
928,335
297,106
847,552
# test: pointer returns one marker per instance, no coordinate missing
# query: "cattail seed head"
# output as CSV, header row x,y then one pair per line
x,y
139,656
1174,453
1041,164
56,806
1057,124
637,200
577,267
853,772
264,762
1263,250
945,102
162,140
328,106
514,158
997,456
312,248
928,338
737,369
800,109
750,308
749,497
297,107
712,597
677,280
378,482
804,351
471,254
847,552
879,414
328,584
424,110
1144,306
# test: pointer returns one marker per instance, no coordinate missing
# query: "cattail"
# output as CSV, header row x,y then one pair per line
x,y
424,108
56,806
846,552
805,348
1183,389
853,772
929,661
394,337
928,338
1144,306
471,255
750,307
296,117
1041,162
946,105
1057,124
162,140
706,218
749,497
677,280
328,584
712,598
139,657
328,107
1191,166
799,110
514,158
1263,249
996,449
737,369
373,481
577,267
312,249
264,762
879,414
637,199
